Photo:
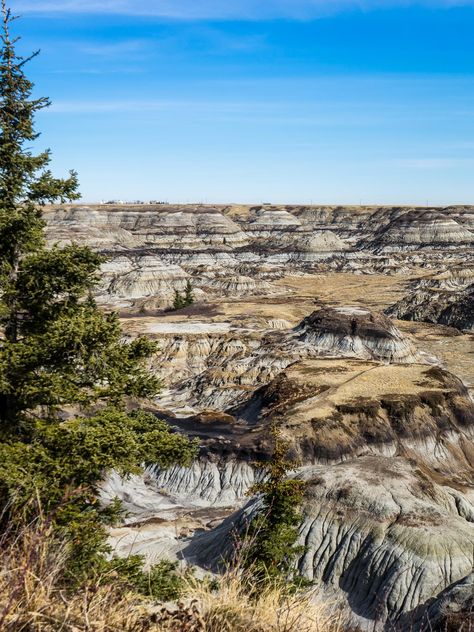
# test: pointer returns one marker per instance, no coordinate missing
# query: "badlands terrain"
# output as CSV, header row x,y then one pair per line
x,y
349,328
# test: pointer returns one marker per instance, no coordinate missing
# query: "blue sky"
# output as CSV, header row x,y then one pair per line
x,y
323,101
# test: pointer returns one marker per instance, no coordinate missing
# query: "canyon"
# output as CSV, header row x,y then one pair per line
x,y
351,330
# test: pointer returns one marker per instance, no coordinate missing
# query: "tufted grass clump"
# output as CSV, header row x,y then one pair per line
x,y
237,604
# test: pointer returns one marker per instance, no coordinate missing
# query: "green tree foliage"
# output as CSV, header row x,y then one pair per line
x,y
162,581
58,352
270,542
181,300
58,469
188,293
178,302
58,348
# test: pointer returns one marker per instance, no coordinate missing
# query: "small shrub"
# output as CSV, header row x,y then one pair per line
x,y
183,300
400,411
178,302
162,581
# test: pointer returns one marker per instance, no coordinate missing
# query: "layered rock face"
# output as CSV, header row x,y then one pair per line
x,y
329,410
460,313
168,227
352,331
388,518
382,533
218,372
414,230
447,299
288,331
235,250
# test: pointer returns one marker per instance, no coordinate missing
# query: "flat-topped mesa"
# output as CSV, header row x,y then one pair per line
x,y
463,215
267,220
416,229
229,375
286,239
331,410
240,285
356,332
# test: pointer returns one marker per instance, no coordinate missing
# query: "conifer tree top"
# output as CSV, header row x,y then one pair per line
x,y
57,348
24,176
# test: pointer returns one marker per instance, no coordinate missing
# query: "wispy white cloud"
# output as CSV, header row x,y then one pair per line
x,y
431,163
281,113
130,48
221,9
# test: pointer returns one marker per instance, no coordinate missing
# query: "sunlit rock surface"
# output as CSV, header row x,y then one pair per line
x,y
388,450
417,229
215,371
353,331
446,298
288,330
233,250
378,533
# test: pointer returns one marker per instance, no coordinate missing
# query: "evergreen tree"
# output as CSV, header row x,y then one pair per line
x,y
270,542
181,300
188,293
178,302
58,348
58,351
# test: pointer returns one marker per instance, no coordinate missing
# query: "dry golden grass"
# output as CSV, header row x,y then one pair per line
x,y
33,599
233,608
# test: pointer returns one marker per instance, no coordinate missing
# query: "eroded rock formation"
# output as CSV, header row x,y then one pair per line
x,y
353,331
234,250
389,453
288,330
380,532
418,229
222,370
446,298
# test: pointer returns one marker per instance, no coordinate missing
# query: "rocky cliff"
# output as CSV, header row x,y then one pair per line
x,y
216,370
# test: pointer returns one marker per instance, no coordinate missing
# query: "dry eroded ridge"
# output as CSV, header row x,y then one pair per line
x,y
352,330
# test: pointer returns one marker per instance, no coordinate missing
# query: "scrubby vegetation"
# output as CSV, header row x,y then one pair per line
x,y
33,597
56,472
184,300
